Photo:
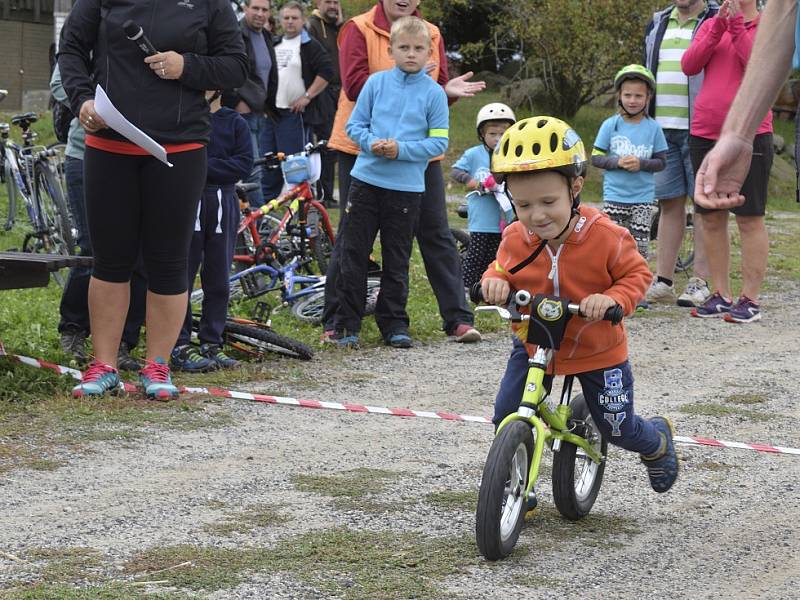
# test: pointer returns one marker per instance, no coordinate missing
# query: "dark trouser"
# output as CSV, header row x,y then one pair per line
x,y
212,244
74,306
436,244
371,209
325,184
609,397
288,135
138,204
481,252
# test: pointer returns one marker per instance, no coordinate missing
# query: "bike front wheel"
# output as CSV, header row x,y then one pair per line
x,y
257,340
55,215
502,503
576,477
321,244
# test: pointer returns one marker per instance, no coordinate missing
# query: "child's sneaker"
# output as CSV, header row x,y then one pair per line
x,y
716,306
695,294
465,334
399,339
216,355
327,337
98,379
344,340
189,359
744,311
642,306
662,467
156,380
660,292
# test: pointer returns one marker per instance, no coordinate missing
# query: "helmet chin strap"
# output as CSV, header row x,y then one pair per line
x,y
630,114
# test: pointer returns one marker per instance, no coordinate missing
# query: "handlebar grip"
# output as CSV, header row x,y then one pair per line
x,y
614,314
476,294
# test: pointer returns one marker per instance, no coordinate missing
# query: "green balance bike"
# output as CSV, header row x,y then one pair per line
x,y
512,466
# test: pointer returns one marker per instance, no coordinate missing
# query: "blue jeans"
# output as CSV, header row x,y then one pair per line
x,y
258,126
288,135
677,178
609,397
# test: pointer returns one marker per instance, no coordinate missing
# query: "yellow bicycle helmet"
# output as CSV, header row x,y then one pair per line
x,y
539,144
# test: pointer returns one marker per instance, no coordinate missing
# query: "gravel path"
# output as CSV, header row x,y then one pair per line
x,y
730,528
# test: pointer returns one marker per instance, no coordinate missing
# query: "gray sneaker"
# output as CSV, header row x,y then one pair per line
x,y
660,292
695,294
73,342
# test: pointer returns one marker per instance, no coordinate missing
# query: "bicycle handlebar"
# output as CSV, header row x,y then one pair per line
x,y
523,298
273,159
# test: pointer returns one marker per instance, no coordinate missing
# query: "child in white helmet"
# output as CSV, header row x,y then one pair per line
x,y
489,209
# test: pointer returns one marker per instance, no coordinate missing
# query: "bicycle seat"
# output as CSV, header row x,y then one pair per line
x,y
25,120
247,187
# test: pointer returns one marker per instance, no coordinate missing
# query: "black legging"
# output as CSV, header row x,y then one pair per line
x,y
137,201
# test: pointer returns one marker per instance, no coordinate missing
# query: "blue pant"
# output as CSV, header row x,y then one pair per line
x,y
74,306
212,244
609,397
288,135
258,126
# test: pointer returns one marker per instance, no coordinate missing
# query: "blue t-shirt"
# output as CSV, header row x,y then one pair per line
x,y
484,211
618,137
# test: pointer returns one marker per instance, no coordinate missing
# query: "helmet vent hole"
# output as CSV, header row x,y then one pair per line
x,y
505,147
521,126
518,150
553,142
541,123
537,147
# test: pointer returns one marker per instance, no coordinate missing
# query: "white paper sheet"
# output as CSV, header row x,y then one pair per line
x,y
116,121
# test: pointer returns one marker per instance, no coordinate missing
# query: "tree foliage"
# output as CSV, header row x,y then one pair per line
x,y
576,47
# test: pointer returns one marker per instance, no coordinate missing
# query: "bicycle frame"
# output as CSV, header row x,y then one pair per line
x,y
551,424
288,277
297,201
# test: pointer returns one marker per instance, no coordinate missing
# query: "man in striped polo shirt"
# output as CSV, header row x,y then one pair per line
x,y
667,37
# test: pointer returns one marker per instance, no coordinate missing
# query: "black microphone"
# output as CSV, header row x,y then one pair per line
x,y
136,34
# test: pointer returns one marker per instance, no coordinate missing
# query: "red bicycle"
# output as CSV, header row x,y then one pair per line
x,y
303,230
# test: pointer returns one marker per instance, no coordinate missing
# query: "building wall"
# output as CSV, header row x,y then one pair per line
x,y
25,64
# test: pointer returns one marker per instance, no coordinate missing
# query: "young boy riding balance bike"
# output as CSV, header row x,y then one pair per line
x,y
561,248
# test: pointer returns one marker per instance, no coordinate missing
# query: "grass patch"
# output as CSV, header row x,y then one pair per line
x,y
111,591
358,489
464,500
71,565
709,409
252,517
596,529
746,398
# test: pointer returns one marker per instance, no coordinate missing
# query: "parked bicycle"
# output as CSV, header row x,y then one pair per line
x,y
303,229
512,466
31,173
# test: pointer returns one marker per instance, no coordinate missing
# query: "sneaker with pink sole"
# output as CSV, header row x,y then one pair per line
x,y
465,333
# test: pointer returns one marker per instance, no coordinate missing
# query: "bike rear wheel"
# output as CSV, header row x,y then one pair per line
x,y
310,308
256,340
576,477
502,503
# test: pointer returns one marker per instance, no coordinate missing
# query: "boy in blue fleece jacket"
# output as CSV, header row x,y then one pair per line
x,y
400,122
230,158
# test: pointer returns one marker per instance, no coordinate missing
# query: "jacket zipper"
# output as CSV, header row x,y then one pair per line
x,y
553,275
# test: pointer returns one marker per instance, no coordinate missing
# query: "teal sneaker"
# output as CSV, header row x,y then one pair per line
x,y
662,466
156,380
98,379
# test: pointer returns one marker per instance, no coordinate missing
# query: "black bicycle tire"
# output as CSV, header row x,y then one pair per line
x,y
266,340
488,514
51,193
565,497
236,293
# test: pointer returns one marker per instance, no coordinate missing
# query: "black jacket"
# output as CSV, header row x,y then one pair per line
x,y
314,61
204,32
326,34
230,98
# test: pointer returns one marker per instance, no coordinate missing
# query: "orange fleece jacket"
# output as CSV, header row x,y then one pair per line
x,y
598,256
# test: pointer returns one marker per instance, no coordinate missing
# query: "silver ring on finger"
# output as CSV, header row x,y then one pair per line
x,y
163,73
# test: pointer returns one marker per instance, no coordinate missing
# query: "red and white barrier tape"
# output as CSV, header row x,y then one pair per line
x,y
395,412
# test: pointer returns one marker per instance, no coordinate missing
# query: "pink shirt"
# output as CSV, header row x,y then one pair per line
x,y
721,49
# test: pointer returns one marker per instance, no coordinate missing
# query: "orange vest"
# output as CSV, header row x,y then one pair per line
x,y
377,41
